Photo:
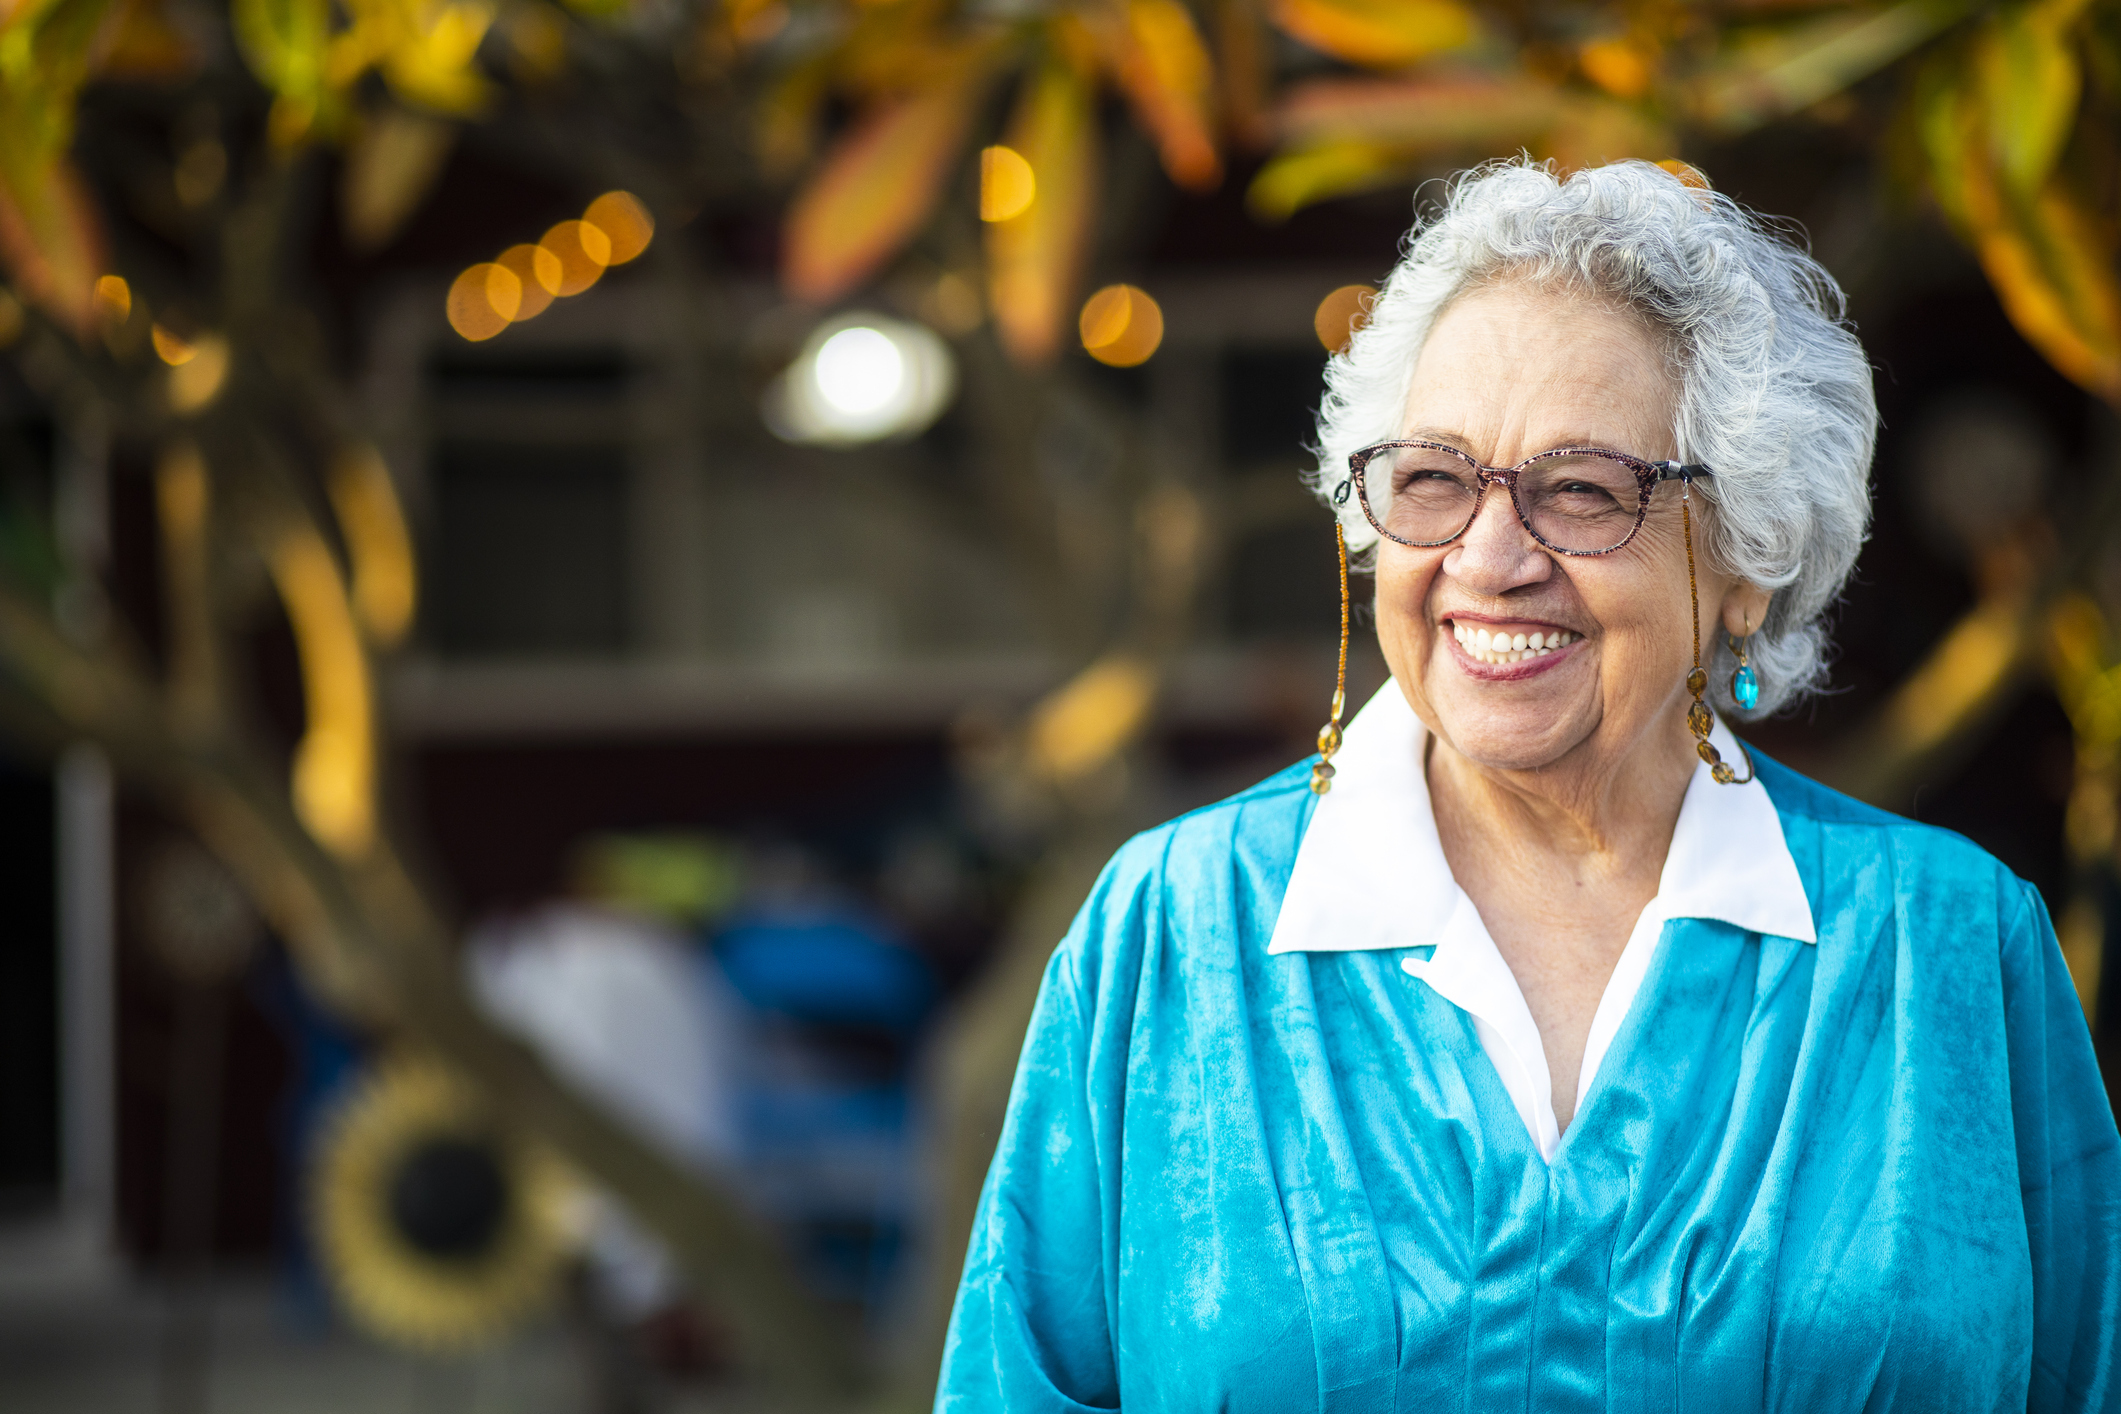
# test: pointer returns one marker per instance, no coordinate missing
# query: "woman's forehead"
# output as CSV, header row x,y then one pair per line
x,y
1506,366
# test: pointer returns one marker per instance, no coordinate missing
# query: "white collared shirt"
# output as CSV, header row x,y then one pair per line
x,y
1371,874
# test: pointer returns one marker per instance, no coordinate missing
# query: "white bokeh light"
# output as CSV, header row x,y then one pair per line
x,y
859,371
862,378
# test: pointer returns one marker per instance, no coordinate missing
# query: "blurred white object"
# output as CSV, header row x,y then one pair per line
x,y
629,1010
862,378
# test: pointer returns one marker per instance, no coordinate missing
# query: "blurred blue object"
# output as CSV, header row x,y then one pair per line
x,y
827,968
827,1144
324,1055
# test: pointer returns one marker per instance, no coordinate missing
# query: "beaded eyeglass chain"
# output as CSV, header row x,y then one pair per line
x,y
1699,718
1329,734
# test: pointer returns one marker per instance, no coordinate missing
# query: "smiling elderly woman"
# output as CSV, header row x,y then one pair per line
x,y
1548,1050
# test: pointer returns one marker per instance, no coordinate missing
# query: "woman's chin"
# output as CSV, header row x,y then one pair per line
x,y
1516,735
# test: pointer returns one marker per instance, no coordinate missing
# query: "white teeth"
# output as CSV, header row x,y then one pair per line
x,y
1490,647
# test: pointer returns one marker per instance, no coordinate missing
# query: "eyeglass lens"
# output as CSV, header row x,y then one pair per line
x,y
1579,501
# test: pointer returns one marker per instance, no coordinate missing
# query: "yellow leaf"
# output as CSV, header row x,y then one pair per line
x,y
788,114
334,765
1959,673
430,61
385,586
1942,124
392,165
877,186
1319,171
1379,34
1092,718
1160,63
1034,259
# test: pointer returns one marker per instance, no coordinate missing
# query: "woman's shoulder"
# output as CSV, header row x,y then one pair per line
x,y
1840,843
1196,863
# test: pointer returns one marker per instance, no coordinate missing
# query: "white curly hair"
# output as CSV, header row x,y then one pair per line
x,y
1774,389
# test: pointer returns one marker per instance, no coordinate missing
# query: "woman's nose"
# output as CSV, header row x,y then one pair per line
x,y
1497,554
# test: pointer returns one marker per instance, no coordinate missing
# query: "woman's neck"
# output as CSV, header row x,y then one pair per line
x,y
1611,811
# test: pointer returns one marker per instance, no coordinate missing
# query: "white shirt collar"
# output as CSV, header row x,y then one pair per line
x,y
1371,874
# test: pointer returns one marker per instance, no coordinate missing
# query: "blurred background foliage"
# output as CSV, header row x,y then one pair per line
x,y
975,162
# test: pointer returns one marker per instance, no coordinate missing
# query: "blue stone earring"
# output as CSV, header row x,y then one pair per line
x,y
1745,685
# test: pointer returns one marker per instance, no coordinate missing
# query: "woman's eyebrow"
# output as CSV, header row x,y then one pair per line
x,y
1453,439
1436,434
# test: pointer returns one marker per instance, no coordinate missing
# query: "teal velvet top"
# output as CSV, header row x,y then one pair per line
x,y
1875,1173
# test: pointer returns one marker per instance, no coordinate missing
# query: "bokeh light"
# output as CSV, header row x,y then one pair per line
x,y
859,370
625,223
538,271
195,383
582,250
114,299
1007,185
483,301
862,378
1340,314
1121,326
570,258
173,349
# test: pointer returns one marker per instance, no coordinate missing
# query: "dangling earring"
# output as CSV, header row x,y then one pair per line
x,y
1329,734
1745,686
1699,718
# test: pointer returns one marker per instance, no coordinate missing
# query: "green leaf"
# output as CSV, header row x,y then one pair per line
x,y
1791,69
284,42
2030,82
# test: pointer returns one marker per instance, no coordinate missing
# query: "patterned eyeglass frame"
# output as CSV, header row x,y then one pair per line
x,y
1647,475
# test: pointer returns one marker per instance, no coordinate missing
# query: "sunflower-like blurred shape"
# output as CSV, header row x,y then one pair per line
x,y
439,1229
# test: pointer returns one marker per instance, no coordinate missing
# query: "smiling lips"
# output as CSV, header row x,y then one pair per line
x,y
1497,647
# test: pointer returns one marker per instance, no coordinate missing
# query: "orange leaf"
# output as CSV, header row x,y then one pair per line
x,y
1034,260
51,241
1241,44
1160,63
2050,260
1420,115
2055,275
1379,34
140,44
1347,135
1594,131
876,188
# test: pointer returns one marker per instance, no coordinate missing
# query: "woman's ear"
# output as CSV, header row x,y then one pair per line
x,y
1745,609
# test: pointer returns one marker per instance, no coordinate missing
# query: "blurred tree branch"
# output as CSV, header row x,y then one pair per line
x,y
2001,115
